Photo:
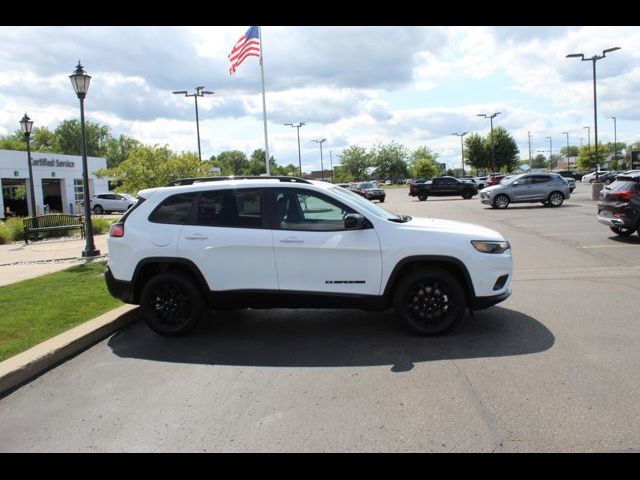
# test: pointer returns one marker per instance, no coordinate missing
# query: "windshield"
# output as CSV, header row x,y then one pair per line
x,y
367,185
510,180
365,204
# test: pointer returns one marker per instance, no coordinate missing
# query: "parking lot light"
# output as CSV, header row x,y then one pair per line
x,y
26,124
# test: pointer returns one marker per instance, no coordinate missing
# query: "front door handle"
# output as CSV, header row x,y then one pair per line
x,y
291,240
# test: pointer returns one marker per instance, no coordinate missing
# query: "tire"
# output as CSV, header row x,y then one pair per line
x,y
171,304
501,201
382,200
555,199
98,209
422,197
430,301
622,231
467,194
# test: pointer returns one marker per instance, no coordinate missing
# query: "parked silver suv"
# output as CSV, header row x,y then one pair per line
x,y
547,188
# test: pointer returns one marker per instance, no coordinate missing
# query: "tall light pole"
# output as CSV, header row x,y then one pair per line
x,y
491,117
461,135
550,151
200,92
594,59
529,138
321,141
568,161
80,81
588,137
27,124
331,163
615,141
299,156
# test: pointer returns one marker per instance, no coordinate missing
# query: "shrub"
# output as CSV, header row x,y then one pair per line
x,y
11,230
101,225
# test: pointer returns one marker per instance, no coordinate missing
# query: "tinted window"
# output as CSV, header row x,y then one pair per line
x,y
624,186
230,208
174,210
302,210
541,178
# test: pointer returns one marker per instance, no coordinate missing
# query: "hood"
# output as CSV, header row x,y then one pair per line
x,y
492,188
472,230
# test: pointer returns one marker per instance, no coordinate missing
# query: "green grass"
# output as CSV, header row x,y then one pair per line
x,y
35,310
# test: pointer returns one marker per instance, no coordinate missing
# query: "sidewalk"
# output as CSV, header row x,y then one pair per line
x,y
19,261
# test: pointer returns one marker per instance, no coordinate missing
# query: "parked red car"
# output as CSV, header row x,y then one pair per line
x,y
493,180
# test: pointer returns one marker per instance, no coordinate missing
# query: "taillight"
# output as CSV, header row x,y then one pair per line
x,y
117,230
626,195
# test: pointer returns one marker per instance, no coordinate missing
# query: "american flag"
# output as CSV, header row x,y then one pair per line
x,y
247,46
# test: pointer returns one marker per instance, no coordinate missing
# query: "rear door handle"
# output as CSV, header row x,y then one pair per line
x,y
196,236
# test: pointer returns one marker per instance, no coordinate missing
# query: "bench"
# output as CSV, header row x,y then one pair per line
x,y
51,223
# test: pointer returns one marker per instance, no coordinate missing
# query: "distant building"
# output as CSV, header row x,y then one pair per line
x,y
57,180
319,175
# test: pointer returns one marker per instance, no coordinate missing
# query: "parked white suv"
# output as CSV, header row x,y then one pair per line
x,y
111,202
263,242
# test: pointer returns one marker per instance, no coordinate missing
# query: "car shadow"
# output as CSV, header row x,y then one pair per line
x,y
633,239
332,338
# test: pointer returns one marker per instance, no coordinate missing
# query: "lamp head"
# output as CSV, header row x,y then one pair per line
x,y
80,81
26,124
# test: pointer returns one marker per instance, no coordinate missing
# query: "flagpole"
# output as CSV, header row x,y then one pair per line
x,y
264,102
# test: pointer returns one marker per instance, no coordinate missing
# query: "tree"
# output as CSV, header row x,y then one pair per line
x,y
68,138
116,150
355,161
257,165
424,163
587,157
539,162
390,160
505,150
233,162
43,140
476,153
149,167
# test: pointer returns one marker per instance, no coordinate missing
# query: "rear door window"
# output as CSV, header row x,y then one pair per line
x,y
240,208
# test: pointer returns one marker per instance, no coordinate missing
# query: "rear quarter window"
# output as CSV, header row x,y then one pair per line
x,y
173,210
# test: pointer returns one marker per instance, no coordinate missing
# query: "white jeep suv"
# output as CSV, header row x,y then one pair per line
x,y
284,242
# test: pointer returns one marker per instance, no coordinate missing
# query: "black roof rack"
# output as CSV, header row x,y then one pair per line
x,y
191,181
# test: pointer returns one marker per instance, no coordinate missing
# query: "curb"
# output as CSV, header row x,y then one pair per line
x,y
18,370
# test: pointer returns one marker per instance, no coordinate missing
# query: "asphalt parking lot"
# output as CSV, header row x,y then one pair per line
x,y
553,368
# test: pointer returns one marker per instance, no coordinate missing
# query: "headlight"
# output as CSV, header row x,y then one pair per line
x,y
490,246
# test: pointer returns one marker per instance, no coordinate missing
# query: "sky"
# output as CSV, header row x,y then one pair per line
x,y
351,85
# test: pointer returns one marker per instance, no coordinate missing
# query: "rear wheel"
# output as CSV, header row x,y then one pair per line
x,y
171,304
555,199
467,194
98,209
422,197
430,301
625,232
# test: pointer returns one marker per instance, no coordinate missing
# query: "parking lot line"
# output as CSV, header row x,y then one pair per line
x,y
609,246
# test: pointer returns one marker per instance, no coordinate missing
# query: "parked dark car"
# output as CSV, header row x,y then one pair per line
x,y
577,176
370,191
619,205
443,187
608,178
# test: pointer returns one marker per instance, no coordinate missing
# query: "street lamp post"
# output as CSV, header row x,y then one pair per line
x,y
588,137
461,135
615,141
298,129
80,81
27,124
568,161
550,151
594,59
321,141
491,117
200,92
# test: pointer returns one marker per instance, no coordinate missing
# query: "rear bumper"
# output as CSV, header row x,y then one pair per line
x,y
480,303
119,289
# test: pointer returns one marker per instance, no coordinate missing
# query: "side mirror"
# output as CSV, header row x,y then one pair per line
x,y
353,221
516,183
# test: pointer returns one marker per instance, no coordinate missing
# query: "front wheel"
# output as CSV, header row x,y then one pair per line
x,y
430,301
555,199
501,201
467,195
422,197
171,304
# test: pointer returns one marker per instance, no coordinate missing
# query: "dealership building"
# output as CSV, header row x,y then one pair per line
x,y
57,181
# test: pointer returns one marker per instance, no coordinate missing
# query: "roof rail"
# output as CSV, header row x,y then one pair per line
x,y
191,181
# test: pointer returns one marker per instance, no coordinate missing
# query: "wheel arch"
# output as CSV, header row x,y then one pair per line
x,y
450,264
149,267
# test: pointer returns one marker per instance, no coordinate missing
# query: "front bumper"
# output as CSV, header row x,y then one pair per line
x,y
480,303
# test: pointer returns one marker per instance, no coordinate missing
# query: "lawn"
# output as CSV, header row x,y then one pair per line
x,y
35,310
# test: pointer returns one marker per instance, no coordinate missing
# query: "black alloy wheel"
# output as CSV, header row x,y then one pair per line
x,y
430,301
623,231
171,304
